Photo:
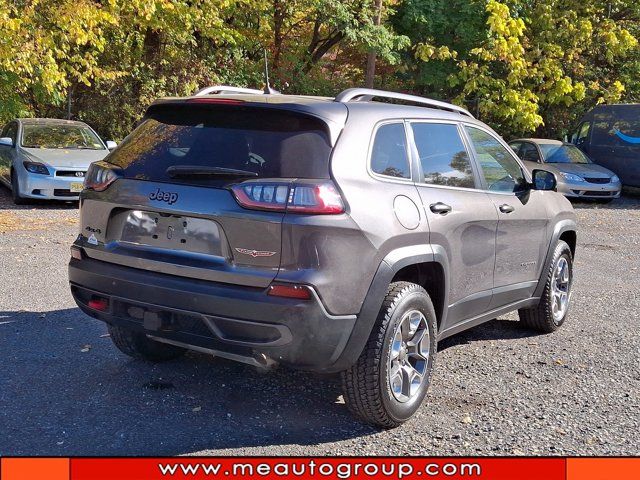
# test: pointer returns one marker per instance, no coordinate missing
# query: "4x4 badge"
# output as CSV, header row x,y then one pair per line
x,y
255,253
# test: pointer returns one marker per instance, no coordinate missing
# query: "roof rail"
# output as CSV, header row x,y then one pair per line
x,y
367,94
222,89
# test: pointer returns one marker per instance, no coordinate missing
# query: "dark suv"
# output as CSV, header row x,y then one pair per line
x,y
335,235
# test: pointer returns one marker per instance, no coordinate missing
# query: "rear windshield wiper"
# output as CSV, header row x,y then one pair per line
x,y
204,171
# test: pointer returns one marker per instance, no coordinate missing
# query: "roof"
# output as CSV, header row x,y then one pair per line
x,y
319,106
604,106
49,121
325,107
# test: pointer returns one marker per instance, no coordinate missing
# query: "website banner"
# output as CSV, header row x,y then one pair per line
x,y
273,468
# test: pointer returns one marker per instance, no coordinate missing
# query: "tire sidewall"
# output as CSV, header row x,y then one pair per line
x,y
18,199
418,300
15,185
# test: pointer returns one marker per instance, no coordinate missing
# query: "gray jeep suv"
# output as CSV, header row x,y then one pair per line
x,y
335,235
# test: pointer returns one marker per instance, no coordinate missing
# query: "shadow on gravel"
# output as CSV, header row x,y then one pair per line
x,y
629,200
6,203
66,390
497,329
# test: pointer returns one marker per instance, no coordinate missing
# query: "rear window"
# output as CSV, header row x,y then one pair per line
x,y
267,143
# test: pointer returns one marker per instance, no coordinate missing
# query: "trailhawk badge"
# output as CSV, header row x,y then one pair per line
x,y
255,253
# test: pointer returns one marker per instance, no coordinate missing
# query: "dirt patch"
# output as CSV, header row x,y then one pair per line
x,y
13,222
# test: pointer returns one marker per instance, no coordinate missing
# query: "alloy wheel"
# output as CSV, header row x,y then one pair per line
x,y
409,356
560,289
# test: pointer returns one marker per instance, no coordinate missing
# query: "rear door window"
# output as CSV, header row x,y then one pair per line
x,y
529,152
264,143
443,156
389,153
515,146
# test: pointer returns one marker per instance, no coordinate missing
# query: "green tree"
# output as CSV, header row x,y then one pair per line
x,y
521,65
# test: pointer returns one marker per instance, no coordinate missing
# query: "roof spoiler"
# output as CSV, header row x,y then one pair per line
x,y
225,89
367,94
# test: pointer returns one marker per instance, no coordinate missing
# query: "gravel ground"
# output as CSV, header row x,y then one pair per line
x,y
497,389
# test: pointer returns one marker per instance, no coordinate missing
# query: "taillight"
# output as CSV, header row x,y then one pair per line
x,y
305,197
98,303
100,175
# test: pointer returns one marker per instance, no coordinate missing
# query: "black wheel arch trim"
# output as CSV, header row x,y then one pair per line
x,y
562,226
392,263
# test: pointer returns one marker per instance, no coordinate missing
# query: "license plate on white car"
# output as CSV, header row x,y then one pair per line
x,y
76,187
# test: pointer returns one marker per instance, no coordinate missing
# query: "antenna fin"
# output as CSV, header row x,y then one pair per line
x,y
267,88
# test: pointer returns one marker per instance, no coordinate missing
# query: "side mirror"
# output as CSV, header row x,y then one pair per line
x,y
111,144
544,180
6,142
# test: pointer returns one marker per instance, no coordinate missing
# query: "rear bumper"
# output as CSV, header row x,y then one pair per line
x,y
242,323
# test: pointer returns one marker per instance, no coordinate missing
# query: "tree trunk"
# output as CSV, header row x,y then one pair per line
x,y
279,13
371,56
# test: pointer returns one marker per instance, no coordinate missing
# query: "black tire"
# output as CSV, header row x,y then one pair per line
x,y
137,345
541,317
18,199
366,385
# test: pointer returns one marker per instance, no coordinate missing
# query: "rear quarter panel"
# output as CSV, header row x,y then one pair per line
x,y
348,254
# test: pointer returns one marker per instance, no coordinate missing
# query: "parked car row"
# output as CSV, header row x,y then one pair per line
x,y
47,159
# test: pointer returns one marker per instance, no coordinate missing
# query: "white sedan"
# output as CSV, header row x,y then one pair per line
x,y
44,158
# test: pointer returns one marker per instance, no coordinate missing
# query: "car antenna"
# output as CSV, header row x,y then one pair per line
x,y
267,88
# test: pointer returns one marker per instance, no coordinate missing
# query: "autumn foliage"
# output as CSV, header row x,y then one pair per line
x,y
523,66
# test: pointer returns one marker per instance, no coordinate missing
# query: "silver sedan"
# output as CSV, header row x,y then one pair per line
x,y
42,158
576,174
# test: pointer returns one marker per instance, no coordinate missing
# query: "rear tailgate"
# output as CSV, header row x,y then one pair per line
x,y
191,224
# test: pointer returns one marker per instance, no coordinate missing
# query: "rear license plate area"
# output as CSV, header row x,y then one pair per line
x,y
171,232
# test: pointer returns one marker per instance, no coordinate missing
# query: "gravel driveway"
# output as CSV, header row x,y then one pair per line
x,y
497,389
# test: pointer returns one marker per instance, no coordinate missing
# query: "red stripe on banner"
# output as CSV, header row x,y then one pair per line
x,y
269,468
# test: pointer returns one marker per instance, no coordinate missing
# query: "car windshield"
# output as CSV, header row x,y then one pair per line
x,y
563,154
60,136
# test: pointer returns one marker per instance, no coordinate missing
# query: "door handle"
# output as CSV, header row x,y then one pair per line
x,y
440,208
505,208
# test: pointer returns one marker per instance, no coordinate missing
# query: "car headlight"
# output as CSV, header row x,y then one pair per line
x,y
572,177
36,167
615,179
